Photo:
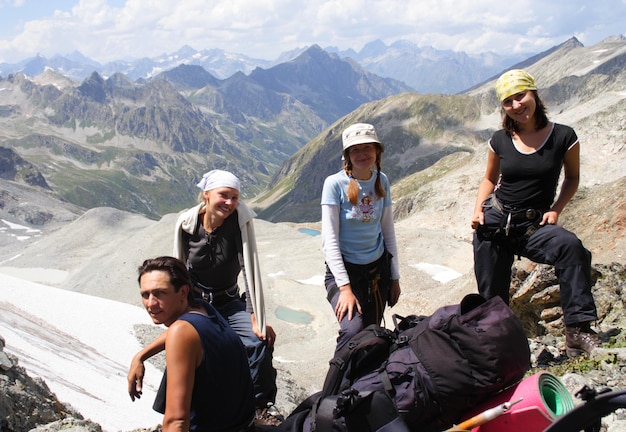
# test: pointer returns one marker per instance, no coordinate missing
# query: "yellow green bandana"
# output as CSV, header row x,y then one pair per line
x,y
513,82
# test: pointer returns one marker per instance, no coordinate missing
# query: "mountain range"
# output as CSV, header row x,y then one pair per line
x,y
141,145
582,86
427,70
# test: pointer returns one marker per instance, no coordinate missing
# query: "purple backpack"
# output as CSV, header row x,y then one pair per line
x,y
426,374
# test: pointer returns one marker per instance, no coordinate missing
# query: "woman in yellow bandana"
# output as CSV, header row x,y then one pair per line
x,y
516,212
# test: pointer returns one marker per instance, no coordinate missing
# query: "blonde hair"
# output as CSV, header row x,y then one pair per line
x,y
353,186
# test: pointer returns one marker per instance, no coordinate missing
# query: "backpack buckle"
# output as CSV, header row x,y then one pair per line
x,y
339,363
402,340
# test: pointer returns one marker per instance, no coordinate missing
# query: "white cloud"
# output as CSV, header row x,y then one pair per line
x,y
11,3
106,30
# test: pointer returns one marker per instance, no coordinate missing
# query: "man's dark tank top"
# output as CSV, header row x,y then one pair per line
x,y
530,180
212,257
223,396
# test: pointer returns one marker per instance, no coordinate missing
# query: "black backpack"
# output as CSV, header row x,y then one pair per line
x,y
425,375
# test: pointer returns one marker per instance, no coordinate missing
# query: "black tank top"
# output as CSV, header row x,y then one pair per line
x,y
530,180
212,257
223,396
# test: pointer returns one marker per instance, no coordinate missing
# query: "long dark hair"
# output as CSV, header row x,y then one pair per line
x,y
541,116
175,268
353,187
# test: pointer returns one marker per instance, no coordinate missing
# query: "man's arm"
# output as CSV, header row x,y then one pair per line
x,y
183,354
137,370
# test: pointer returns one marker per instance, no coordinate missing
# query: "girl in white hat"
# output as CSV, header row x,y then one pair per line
x,y
358,235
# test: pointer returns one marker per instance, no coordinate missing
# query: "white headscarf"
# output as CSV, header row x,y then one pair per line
x,y
218,178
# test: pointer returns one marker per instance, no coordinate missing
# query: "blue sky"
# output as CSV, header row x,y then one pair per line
x,y
105,30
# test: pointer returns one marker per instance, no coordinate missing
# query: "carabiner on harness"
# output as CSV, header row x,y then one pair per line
x,y
507,228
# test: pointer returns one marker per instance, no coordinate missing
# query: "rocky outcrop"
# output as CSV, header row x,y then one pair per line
x,y
13,167
26,403
535,297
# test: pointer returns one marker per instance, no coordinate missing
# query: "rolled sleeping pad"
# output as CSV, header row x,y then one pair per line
x,y
544,399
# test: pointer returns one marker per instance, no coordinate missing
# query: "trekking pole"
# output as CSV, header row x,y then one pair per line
x,y
483,417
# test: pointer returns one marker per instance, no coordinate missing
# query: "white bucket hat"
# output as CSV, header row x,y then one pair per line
x,y
360,133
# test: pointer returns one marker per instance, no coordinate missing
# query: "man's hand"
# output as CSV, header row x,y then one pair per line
x,y
136,372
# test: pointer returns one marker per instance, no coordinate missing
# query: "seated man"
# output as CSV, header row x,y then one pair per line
x,y
206,385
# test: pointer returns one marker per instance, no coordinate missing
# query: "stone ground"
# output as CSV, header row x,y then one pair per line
x,y
293,268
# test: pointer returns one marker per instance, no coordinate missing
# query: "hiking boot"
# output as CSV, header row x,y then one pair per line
x,y
268,416
580,339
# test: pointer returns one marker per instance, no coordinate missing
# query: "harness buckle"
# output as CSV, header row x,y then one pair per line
x,y
207,296
507,228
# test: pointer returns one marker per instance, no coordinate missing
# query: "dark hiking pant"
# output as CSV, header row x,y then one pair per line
x,y
372,301
260,355
550,244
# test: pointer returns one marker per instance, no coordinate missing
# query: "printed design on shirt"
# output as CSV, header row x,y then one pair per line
x,y
364,211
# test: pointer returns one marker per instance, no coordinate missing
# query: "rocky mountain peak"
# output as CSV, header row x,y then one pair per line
x,y
15,168
119,80
616,38
94,87
186,77
572,42
50,77
330,85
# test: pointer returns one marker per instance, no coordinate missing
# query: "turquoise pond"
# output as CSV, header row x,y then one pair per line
x,y
293,316
309,231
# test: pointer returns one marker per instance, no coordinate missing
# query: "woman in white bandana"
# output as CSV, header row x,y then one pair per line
x,y
216,240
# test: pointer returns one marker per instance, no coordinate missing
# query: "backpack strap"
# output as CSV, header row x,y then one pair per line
x,y
322,414
370,340
336,407
359,411
384,377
